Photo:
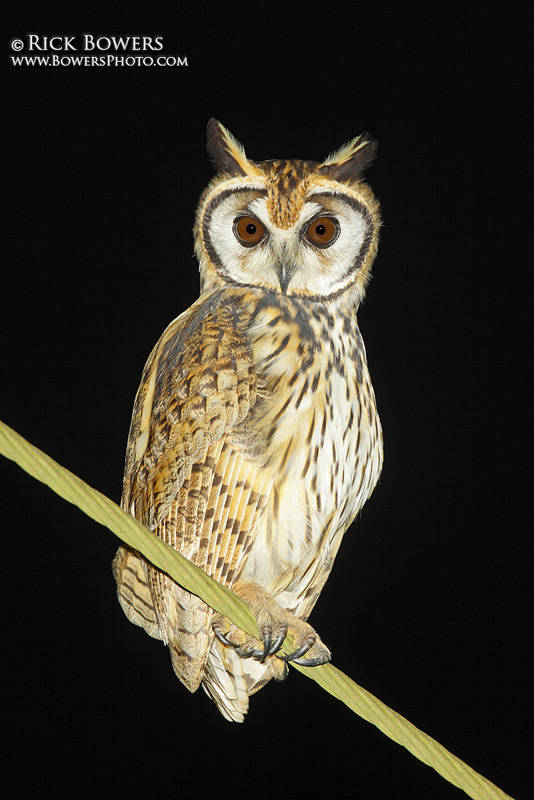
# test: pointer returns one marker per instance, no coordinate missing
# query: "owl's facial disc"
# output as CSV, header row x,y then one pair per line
x,y
319,255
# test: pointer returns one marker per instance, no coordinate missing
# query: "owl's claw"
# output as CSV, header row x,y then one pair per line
x,y
323,653
278,642
270,646
224,639
267,642
274,624
254,653
296,654
312,662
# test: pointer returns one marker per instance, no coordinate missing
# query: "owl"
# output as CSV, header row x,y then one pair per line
x,y
255,438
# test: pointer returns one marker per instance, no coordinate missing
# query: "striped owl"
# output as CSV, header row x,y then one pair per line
x,y
255,438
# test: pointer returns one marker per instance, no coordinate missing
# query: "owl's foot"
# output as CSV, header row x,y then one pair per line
x,y
306,642
272,638
274,624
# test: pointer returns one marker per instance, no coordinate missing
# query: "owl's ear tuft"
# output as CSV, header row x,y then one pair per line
x,y
351,160
226,153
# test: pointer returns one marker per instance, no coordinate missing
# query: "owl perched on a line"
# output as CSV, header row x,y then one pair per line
x,y
255,438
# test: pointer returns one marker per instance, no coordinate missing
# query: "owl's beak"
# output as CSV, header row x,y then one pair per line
x,y
284,277
285,271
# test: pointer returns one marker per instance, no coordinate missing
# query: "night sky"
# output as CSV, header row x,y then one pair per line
x,y
428,603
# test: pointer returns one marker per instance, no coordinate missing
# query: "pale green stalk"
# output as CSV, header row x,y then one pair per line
x,y
130,531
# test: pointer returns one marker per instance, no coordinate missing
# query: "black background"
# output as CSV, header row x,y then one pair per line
x,y
427,604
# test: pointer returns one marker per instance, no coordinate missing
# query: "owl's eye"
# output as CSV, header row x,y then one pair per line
x,y
248,231
322,231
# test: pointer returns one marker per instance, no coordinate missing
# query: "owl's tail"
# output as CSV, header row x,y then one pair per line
x,y
229,680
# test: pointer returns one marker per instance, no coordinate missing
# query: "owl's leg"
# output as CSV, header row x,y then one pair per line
x,y
274,624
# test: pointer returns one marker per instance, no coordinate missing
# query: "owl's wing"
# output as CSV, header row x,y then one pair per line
x,y
187,477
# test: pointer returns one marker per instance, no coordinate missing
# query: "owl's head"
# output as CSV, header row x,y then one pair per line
x,y
302,228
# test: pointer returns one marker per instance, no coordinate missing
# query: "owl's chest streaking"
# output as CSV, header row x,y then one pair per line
x,y
319,438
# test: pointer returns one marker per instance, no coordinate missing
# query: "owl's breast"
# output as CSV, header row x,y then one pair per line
x,y
320,429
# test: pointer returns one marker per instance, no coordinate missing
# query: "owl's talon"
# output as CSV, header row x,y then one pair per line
x,y
270,645
224,639
312,662
296,654
243,653
278,642
254,653
267,642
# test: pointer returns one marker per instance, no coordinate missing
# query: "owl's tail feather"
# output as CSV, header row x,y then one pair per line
x,y
229,680
224,681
